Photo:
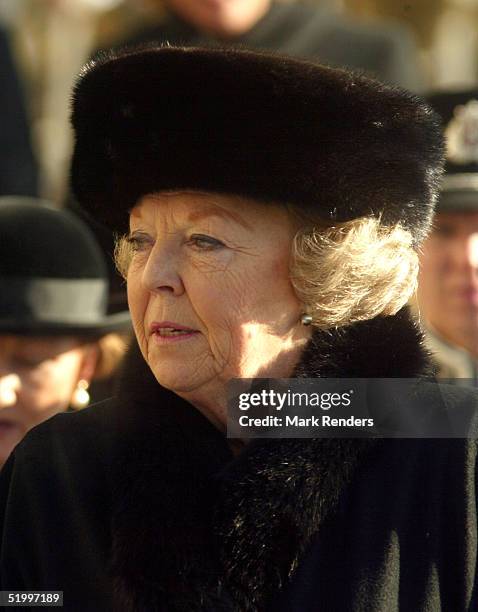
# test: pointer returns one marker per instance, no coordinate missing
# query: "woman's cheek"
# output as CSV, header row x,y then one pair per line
x,y
210,263
223,297
137,302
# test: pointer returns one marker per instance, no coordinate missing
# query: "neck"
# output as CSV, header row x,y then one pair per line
x,y
385,347
211,398
211,401
216,413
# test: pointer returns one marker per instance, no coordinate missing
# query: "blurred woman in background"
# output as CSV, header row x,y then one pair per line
x,y
55,338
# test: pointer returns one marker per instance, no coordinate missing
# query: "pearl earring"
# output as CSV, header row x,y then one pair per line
x,y
81,397
306,319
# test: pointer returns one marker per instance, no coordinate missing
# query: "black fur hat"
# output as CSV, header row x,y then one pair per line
x,y
258,125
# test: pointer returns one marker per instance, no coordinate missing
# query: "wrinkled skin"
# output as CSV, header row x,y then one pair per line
x,y
218,266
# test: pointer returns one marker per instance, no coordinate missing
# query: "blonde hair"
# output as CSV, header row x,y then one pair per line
x,y
353,271
111,350
344,272
123,254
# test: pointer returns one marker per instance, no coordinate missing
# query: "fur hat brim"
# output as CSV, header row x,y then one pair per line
x,y
257,125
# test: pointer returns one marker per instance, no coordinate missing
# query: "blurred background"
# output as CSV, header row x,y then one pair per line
x,y
50,40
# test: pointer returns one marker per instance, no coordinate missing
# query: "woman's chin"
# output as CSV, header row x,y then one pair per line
x,y
176,378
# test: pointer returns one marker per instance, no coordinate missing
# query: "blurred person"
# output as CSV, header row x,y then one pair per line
x,y
54,336
18,168
455,46
420,16
448,281
383,49
42,32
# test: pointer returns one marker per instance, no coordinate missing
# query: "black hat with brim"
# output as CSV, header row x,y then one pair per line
x,y
53,278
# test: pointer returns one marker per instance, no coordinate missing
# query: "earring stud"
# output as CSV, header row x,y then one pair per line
x,y
306,319
81,397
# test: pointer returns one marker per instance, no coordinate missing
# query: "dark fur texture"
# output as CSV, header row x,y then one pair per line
x,y
195,529
258,125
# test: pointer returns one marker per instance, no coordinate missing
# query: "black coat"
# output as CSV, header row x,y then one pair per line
x,y
140,505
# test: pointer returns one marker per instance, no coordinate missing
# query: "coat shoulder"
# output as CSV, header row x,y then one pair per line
x,y
75,438
55,509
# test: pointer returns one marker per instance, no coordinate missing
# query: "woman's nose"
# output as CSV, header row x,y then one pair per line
x,y
162,271
9,388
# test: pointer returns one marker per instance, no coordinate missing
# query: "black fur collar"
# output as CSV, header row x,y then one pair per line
x,y
195,529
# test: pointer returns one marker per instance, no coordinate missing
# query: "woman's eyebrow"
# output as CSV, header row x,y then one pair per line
x,y
218,212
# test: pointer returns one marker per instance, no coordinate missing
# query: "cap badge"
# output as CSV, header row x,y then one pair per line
x,y
462,134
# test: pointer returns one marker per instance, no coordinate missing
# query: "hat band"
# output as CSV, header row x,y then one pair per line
x,y
53,300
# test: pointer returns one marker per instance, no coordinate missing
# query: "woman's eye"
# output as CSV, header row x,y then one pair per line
x,y
139,241
204,243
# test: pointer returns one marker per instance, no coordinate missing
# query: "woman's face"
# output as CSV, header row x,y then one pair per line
x,y
37,378
209,290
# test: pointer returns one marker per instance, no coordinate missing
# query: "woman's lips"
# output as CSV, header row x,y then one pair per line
x,y
166,332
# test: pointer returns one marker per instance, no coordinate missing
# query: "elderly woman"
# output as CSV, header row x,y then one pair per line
x,y
274,209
